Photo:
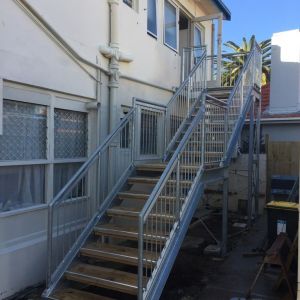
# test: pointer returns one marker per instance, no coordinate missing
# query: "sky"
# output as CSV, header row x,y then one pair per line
x,y
260,17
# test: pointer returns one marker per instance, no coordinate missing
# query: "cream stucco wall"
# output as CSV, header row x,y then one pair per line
x,y
285,75
35,62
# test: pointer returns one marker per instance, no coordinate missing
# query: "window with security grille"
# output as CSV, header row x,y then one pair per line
x,y
63,173
24,131
148,137
21,186
70,134
24,139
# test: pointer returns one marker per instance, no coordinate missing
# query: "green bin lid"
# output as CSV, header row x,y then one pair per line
x,y
283,205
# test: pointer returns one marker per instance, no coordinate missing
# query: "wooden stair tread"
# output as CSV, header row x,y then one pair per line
x,y
151,167
130,233
138,196
103,277
134,212
153,180
116,253
73,294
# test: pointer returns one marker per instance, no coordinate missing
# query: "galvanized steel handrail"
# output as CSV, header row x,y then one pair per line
x,y
78,175
77,207
171,176
240,94
183,101
182,86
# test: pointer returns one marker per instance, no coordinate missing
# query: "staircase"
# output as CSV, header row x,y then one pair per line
x,y
118,237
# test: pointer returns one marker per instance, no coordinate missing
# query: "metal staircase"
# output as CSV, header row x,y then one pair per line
x,y
116,228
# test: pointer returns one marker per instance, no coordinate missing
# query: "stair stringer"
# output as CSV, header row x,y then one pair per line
x,y
173,248
74,251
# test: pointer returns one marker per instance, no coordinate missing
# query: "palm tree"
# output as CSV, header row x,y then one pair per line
x,y
233,63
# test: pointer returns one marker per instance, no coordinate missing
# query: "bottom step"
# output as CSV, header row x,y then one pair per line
x,y
103,277
73,294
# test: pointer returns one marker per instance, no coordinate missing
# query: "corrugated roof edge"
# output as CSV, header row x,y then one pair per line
x,y
224,9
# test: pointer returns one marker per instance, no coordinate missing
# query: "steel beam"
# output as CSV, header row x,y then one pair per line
x,y
225,214
257,152
250,163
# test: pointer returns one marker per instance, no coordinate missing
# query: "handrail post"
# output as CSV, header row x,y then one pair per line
x,y
226,129
189,96
49,245
177,206
141,254
203,131
133,136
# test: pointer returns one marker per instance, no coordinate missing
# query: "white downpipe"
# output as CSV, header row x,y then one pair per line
x,y
114,63
115,55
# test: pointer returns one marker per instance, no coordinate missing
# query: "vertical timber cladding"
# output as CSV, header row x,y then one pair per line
x,y
282,159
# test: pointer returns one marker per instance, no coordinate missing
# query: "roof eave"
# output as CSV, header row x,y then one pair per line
x,y
224,9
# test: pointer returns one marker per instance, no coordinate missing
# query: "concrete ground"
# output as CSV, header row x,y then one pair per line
x,y
195,276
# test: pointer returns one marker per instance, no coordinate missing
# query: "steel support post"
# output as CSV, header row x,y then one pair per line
x,y
250,164
225,214
257,152
219,56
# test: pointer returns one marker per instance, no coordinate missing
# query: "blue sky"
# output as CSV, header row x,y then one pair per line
x,y
260,17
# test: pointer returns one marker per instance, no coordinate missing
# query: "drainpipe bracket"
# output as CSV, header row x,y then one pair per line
x,y
114,52
110,2
92,105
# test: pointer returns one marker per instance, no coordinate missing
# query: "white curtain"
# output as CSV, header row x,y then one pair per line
x,y
21,186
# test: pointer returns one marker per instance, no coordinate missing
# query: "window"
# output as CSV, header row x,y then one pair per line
x,y
70,143
198,42
151,18
24,159
171,25
24,139
63,173
197,37
128,2
70,134
24,131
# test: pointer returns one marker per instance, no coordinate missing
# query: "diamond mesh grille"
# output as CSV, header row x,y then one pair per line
x,y
70,134
24,131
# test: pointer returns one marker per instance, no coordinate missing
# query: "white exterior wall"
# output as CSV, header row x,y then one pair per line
x,y
285,74
238,184
35,64
282,132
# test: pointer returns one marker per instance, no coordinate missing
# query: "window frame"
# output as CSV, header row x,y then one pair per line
x,y
177,26
50,101
156,18
201,29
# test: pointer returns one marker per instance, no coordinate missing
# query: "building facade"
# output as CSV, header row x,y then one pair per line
x,y
68,73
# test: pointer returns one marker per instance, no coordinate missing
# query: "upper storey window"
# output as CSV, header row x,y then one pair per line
x,y
129,3
151,18
171,25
